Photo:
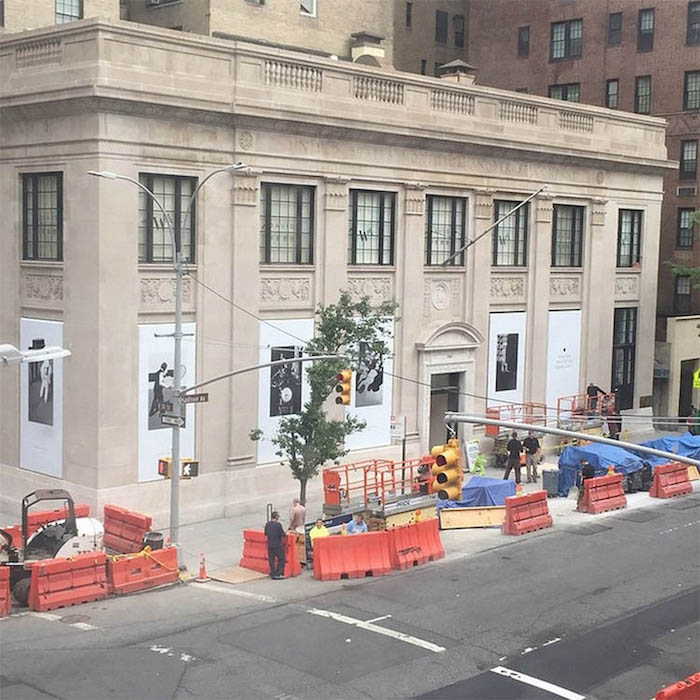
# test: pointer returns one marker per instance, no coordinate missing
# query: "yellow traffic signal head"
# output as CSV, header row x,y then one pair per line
x,y
447,471
343,387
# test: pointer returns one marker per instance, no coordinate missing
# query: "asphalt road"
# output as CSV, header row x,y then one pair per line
x,y
602,611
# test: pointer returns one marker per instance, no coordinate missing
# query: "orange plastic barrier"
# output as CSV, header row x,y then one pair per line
x,y
603,493
135,572
670,480
689,689
255,553
352,556
412,545
5,601
124,530
526,514
57,583
42,517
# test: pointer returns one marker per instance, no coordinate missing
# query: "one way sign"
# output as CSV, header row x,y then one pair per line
x,y
190,468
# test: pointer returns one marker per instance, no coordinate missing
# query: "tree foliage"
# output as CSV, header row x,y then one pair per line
x,y
687,270
310,439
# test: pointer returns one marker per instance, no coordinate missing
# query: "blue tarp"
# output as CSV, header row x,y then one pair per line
x,y
687,445
482,491
600,457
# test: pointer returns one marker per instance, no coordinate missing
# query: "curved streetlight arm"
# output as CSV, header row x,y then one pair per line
x,y
225,169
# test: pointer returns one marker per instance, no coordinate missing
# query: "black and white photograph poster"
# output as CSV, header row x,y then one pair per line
x,y
506,361
285,381
507,341
156,375
41,436
369,378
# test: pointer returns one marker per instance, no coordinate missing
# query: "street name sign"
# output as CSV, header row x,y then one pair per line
x,y
175,421
194,398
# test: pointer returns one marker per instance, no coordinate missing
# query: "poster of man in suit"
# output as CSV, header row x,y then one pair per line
x,y
160,396
369,382
506,361
285,381
40,387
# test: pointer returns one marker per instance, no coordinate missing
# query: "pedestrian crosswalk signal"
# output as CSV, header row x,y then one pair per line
x,y
447,470
190,468
165,467
343,387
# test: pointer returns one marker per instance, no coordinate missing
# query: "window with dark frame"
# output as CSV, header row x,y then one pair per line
x,y
629,237
458,23
645,30
642,94
524,41
68,11
436,69
173,192
42,216
409,15
614,28
571,92
681,295
567,236
423,66
509,248
693,32
685,234
308,7
444,229
691,90
441,27
286,223
612,93
2,13
566,39
371,235
688,160
624,355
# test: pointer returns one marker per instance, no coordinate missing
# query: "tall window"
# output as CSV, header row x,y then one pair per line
x,y
440,27
612,93
423,66
691,90
371,239
688,160
286,223
444,230
42,216
629,237
510,236
68,10
409,15
2,13
570,92
308,7
567,236
524,41
645,30
685,233
173,192
623,356
693,33
642,94
681,295
614,28
567,39
458,21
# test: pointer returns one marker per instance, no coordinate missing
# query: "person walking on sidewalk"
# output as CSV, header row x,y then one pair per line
x,y
297,517
275,545
514,448
532,447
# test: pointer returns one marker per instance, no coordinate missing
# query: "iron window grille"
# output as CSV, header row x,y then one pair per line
x,y
612,93
42,216
645,30
173,192
440,27
458,22
681,295
691,90
445,230
688,160
524,41
570,92
629,237
510,236
286,223
624,355
693,32
567,236
642,94
68,11
685,233
614,28
566,39
371,235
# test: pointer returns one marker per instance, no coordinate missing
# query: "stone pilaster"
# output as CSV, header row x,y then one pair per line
x,y
332,240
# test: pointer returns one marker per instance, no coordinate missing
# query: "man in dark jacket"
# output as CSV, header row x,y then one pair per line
x,y
587,472
593,391
514,448
275,545
532,447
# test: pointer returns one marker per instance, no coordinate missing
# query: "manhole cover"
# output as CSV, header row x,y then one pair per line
x,y
591,529
640,516
70,619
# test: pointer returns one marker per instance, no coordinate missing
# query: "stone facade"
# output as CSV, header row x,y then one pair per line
x,y
131,99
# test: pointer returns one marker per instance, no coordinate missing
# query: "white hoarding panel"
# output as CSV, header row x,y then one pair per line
x,y
563,355
506,357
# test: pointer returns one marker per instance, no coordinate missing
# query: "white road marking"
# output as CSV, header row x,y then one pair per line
x,y
552,641
240,594
84,626
377,619
678,527
161,650
537,683
370,627
168,651
527,650
46,616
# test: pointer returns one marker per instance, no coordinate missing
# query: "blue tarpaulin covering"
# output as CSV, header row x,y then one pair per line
x,y
687,445
482,491
600,457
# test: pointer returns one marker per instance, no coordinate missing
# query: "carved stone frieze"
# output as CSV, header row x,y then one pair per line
x,y
565,287
39,53
511,288
44,288
543,207
378,289
245,140
337,193
483,203
246,186
441,297
156,291
627,286
598,212
415,198
285,290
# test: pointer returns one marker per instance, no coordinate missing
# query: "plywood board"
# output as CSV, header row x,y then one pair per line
x,y
455,518
235,574
407,517
693,473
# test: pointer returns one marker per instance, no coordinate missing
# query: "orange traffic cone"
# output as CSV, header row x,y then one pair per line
x,y
418,517
202,578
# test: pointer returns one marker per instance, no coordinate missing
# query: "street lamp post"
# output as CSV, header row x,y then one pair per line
x,y
177,335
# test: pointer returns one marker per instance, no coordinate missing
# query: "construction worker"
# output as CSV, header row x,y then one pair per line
x,y
532,447
275,546
318,530
587,472
514,448
297,517
357,526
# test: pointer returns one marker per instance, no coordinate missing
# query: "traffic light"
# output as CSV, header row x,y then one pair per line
x,y
447,470
165,467
343,387
190,468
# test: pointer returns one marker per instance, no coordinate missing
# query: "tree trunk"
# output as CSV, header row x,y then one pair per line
x,y
302,491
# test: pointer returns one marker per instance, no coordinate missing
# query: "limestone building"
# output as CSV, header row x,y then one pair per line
x,y
359,179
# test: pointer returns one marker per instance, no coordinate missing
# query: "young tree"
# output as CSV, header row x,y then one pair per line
x,y
310,439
